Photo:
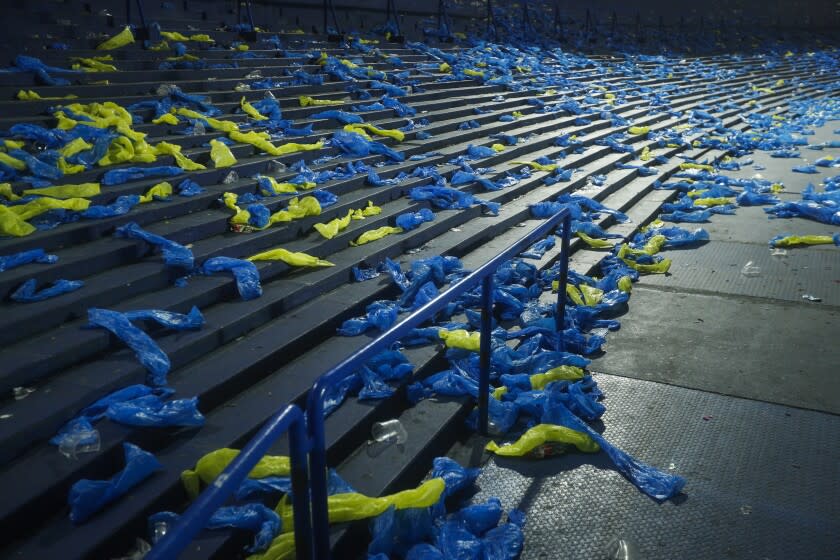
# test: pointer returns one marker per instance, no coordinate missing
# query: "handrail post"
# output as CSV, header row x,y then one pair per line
x,y
301,504
484,356
562,280
318,469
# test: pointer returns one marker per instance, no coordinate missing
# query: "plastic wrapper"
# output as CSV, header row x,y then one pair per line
x,y
330,229
255,518
174,254
412,220
455,541
28,293
188,187
82,190
120,176
8,262
221,154
505,541
151,411
784,240
290,258
121,39
89,496
252,488
806,209
651,481
373,387
354,144
461,338
379,315
341,116
751,198
174,150
212,464
449,198
244,272
147,351
691,217
375,234
538,249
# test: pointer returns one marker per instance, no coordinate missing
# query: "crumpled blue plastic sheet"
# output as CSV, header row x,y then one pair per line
x,y
256,518
809,169
148,352
151,411
341,116
379,315
89,496
651,481
245,272
538,249
36,166
675,237
449,198
806,209
8,262
412,220
252,488
122,205
28,293
375,180
752,198
354,144
174,254
692,217
373,387
42,71
126,174
188,187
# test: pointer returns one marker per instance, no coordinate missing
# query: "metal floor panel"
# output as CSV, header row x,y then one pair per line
x,y
716,268
762,481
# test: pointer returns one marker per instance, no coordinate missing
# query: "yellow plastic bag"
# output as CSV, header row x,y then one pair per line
x,y
793,240
74,147
625,284
40,205
461,338
211,465
201,38
595,243
353,506
121,39
120,150
13,144
559,373
331,228
221,154
688,165
68,168
306,101
174,36
584,295
657,268
375,234
290,258
297,209
718,201
251,110
397,135
82,190
255,139
162,46
29,95
215,124
294,147
366,212
12,224
544,433
91,64
636,130
284,187
536,166
474,73
161,190
240,216
646,155
174,150
7,192
498,147
166,118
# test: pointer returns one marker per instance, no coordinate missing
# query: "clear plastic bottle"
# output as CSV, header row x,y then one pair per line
x,y
385,434
622,549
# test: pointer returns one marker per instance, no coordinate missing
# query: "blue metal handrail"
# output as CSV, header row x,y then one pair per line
x,y
289,419
348,366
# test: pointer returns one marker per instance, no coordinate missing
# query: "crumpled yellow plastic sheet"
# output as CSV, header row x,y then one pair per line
x,y
121,39
82,190
375,234
333,227
251,111
13,218
544,433
306,101
161,191
360,128
536,166
212,464
461,338
221,154
174,150
215,124
290,258
793,240
595,243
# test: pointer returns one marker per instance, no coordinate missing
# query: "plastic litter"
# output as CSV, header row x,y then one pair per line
x,y
151,411
621,549
76,437
256,518
120,176
82,190
244,272
89,496
221,154
174,254
540,435
384,435
8,262
794,240
28,293
412,220
121,39
375,234
212,464
290,258
809,297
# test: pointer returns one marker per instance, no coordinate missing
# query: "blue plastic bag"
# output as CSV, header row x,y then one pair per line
x,y
412,220
148,352
692,217
124,175
174,254
188,187
122,205
538,249
256,518
806,209
455,477
449,198
26,292
89,496
751,198
8,262
245,272
341,116
151,411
